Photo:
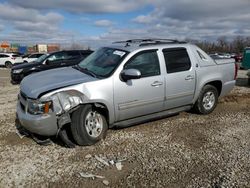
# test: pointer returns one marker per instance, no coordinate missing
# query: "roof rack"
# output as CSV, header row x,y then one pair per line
x,y
145,42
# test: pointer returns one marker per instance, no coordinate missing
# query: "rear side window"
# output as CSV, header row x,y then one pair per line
x,y
146,62
33,56
4,56
73,54
177,60
15,55
85,53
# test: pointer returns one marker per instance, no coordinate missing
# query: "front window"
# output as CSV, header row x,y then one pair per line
x,y
42,58
103,61
146,62
57,56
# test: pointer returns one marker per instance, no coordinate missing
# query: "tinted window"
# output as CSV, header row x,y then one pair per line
x,y
73,54
146,62
57,56
32,56
86,52
4,56
176,60
15,55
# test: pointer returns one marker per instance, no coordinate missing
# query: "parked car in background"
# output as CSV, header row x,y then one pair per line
x,y
225,56
32,57
48,61
123,84
215,56
237,57
25,55
9,59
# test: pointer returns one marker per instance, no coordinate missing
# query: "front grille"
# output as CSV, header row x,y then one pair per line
x,y
22,106
23,101
23,95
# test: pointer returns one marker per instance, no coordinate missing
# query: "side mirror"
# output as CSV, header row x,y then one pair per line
x,y
129,74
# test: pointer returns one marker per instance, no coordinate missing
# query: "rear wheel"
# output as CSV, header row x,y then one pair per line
x,y
8,64
88,125
207,100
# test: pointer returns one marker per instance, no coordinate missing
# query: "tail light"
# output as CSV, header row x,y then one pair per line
x,y
235,70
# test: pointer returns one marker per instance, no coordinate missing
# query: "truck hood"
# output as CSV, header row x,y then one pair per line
x,y
25,65
35,84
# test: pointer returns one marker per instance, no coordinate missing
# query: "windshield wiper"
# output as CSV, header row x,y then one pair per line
x,y
85,70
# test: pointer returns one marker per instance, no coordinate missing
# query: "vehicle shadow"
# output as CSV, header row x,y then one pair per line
x,y
243,82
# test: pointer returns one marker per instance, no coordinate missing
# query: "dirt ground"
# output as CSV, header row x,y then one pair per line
x,y
186,150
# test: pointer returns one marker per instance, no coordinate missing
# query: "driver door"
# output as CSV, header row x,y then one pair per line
x,y
142,96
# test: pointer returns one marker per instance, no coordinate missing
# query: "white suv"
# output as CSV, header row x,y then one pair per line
x,y
32,57
8,59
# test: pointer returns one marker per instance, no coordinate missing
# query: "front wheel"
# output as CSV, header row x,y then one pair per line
x,y
88,125
207,100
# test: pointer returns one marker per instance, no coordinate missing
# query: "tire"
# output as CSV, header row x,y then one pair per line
x,y
207,100
63,134
8,64
88,126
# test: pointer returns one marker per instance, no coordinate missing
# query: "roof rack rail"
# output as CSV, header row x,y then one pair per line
x,y
144,42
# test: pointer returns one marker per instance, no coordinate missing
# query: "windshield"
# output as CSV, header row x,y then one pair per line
x,y
103,62
41,58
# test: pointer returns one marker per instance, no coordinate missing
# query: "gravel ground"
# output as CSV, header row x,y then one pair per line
x,y
186,150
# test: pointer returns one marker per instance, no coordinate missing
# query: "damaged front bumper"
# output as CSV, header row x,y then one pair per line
x,y
45,124
50,123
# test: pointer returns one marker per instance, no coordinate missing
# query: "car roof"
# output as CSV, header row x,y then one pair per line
x,y
3,53
136,44
37,53
71,51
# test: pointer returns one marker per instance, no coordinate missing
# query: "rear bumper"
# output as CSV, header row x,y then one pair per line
x,y
45,125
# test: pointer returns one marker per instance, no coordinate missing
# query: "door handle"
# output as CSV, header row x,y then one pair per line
x,y
189,77
157,84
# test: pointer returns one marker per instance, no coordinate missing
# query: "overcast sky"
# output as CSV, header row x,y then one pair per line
x,y
96,22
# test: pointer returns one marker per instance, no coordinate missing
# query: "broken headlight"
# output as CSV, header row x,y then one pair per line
x,y
36,107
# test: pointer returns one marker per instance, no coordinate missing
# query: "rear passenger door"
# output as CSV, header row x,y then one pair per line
x,y
180,78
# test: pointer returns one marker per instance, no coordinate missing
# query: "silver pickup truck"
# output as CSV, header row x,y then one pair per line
x,y
123,84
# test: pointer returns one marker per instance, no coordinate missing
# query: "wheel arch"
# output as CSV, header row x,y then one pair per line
x,y
6,62
101,107
217,84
